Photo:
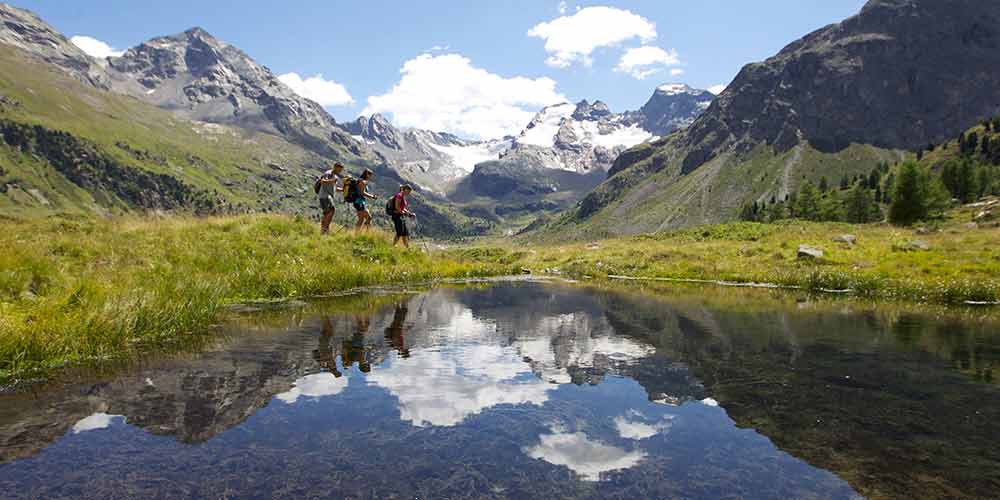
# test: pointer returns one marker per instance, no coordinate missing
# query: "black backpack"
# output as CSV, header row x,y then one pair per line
x,y
390,207
317,185
350,189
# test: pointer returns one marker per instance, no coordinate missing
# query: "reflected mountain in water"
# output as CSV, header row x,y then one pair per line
x,y
545,377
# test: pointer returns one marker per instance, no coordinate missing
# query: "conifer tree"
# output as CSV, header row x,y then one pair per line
x,y
860,208
874,178
908,196
808,202
916,195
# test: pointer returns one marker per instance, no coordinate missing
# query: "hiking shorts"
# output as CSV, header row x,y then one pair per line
x,y
326,204
400,224
360,205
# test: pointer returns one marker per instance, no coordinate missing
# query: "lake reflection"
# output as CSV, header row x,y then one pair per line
x,y
527,390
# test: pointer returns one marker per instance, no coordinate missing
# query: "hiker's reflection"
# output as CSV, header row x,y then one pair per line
x,y
395,334
325,355
354,348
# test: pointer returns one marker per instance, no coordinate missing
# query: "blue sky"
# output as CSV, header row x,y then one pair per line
x,y
487,73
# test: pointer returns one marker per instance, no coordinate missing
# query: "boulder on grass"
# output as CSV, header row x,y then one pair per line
x,y
807,252
848,239
912,246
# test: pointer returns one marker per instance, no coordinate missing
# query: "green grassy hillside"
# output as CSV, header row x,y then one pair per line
x,y
67,148
241,167
653,194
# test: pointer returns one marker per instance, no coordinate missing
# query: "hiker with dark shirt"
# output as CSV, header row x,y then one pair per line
x,y
360,198
328,188
325,355
397,209
354,349
395,333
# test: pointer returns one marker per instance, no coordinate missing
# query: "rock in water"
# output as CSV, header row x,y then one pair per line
x,y
807,252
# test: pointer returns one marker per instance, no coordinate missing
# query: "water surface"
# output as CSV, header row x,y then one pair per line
x,y
532,390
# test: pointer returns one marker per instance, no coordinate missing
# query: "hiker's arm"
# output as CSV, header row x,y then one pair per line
x,y
325,180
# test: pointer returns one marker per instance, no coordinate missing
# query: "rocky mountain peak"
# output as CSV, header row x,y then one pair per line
x,y
207,79
673,106
200,33
26,31
674,89
900,74
587,111
376,128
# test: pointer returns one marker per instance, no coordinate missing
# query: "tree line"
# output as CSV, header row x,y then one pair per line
x,y
903,194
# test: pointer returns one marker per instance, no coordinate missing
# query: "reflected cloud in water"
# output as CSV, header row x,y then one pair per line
x,y
587,457
633,426
577,340
464,375
314,386
94,422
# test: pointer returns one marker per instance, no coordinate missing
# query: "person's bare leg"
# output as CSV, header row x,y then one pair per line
x,y
396,240
361,221
325,222
406,241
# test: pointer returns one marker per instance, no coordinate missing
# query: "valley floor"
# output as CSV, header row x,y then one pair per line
x,y
77,291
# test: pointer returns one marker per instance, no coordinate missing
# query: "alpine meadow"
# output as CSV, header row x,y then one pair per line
x,y
505,250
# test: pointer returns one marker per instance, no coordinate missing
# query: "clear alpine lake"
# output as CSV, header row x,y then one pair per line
x,y
531,390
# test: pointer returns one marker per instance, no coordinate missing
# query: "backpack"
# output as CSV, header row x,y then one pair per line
x,y
317,185
390,206
350,189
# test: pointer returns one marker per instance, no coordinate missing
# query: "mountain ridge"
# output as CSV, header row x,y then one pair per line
x,y
893,78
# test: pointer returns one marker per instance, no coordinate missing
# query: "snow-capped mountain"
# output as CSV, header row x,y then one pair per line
x,y
582,138
579,138
431,159
673,106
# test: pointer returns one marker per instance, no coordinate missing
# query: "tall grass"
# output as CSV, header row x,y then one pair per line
x,y
83,291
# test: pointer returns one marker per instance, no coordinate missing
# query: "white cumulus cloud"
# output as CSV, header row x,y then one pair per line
x,y
325,92
641,62
570,39
676,72
717,89
446,93
95,48
562,7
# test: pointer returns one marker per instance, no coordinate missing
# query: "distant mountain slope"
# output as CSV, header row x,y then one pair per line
x,y
897,76
205,79
67,144
28,32
672,107
563,153
431,159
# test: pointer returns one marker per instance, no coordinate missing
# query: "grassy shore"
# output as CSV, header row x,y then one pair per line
x,y
84,291
947,262
81,291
